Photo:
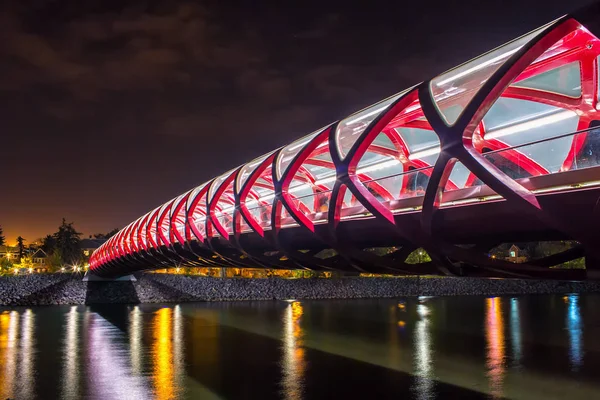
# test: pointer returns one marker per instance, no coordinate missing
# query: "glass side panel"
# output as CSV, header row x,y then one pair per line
x,y
459,175
262,215
260,199
407,185
224,209
152,228
127,238
217,183
564,80
134,235
316,175
197,217
315,206
164,223
515,122
350,128
193,195
287,221
373,168
516,162
247,170
287,154
176,202
454,89
244,227
178,221
598,81
142,238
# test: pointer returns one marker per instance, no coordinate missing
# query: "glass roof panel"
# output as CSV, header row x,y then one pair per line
x,y
289,152
459,85
349,129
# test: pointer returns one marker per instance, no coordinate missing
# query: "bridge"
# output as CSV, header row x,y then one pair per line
x,y
503,148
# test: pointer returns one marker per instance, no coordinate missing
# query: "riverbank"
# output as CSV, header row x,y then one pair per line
x,y
163,288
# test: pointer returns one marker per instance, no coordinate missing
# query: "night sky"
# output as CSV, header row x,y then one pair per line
x,y
110,108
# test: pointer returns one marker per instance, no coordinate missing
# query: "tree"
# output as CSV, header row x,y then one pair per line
x,y
417,257
21,246
26,262
107,235
5,265
67,242
49,244
55,261
1,237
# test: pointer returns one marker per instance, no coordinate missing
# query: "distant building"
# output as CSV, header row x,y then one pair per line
x,y
39,259
516,255
89,245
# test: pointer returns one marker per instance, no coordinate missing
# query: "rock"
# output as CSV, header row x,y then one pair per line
x,y
47,289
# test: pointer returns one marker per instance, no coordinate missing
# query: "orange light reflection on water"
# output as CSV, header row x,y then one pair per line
x,y
9,325
294,363
162,354
496,355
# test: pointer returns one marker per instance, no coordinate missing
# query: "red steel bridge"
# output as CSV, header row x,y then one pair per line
x,y
503,148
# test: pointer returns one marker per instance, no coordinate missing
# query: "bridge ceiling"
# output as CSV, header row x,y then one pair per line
x,y
490,129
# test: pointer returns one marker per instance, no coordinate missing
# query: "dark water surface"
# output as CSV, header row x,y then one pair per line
x,y
527,347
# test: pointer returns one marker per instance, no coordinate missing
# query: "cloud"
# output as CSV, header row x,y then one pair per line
x,y
178,70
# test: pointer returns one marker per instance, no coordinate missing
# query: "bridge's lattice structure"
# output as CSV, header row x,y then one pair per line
x,y
501,148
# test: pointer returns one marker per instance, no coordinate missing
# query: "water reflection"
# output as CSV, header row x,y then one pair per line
x,y
515,333
294,364
9,325
17,354
107,363
455,348
135,340
27,353
575,329
494,333
178,347
424,384
70,377
167,353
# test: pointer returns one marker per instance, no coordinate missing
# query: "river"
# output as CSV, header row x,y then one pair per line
x,y
522,347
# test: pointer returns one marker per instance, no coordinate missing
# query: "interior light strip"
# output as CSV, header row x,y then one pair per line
x,y
478,67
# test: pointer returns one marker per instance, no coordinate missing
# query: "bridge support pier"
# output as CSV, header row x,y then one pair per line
x,y
89,277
